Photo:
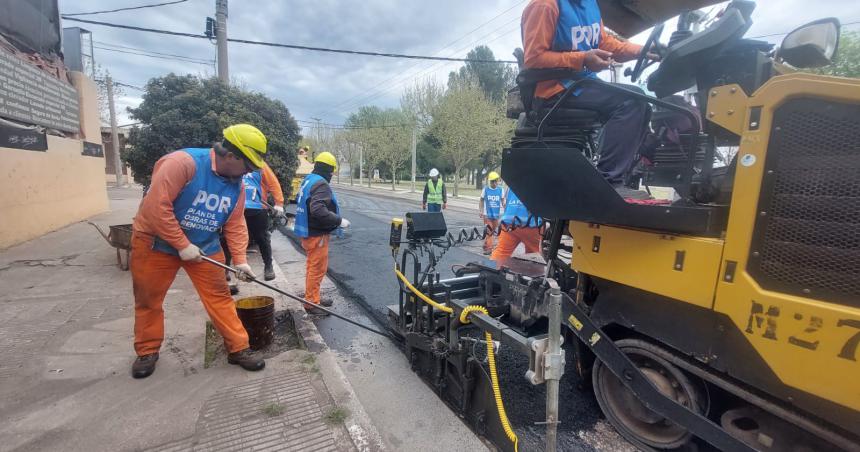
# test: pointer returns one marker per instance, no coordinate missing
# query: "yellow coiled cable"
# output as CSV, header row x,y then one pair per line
x,y
494,376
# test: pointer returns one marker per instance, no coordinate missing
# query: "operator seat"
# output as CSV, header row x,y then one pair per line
x,y
569,127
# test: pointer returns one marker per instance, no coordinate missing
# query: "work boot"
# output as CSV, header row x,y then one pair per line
x,y
326,302
247,359
313,310
144,365
269,272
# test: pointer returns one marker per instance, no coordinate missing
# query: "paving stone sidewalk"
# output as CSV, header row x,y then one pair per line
x,y
66,324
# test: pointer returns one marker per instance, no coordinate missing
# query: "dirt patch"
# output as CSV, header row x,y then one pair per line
x,y
285,338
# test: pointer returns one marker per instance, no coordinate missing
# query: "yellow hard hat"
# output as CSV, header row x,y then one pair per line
x,y
249,140
327,158
493,176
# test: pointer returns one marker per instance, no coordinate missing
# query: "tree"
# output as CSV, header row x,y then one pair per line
x,y
189,111
420,101
466,125
363,121
494,79
393,141
847,60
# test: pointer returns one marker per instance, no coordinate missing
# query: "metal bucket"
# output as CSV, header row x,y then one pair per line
x,y
258,317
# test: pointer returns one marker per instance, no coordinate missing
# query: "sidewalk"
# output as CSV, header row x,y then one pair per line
x,y
66,321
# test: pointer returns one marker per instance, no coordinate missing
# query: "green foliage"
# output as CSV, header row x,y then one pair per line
x,y
188,111
273,409
847,60
494,79
468,125
336,416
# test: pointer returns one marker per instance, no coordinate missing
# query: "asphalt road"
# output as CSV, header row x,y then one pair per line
x,y
361,264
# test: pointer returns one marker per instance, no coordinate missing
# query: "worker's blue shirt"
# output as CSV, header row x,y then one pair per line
x,y
203,205
516,212
578,29
301,227
492,202
253,190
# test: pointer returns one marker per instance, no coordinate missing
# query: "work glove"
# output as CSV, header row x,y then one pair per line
x,y
344,223
279,211
190,253
245,273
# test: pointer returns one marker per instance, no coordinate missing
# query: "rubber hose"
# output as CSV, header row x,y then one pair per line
x,y
420,295
494,376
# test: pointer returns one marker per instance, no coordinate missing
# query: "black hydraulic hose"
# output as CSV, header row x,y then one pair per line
x,y
300,299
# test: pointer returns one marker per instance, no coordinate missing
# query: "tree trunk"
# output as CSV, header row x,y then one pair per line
x,y
479,181
369,177
393,180
350,174
456,182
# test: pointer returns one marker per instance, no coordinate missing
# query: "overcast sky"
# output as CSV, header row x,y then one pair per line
x,y
330,86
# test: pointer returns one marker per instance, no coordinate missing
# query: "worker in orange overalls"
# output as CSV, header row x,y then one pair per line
x,y
259,184
490,207
317,216
193,194
518,226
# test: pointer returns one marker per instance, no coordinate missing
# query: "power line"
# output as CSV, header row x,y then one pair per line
x,y
126,9
151,51
322,125
183,59
379,91
403,74
286,46
847,24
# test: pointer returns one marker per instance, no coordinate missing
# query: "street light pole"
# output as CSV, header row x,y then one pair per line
x,y
114,135
221,37
414,146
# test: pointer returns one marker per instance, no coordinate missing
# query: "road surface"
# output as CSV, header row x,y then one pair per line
x,y
361,264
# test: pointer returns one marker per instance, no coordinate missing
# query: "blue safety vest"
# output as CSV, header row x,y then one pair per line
x,y
301,228
492,202
203,205
516,212
253,190
578,29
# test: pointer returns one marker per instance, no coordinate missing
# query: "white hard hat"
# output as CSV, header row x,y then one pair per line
x,y
434,172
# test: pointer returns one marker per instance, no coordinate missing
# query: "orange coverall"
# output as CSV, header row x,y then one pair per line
x,y
153,272
316,248
509,240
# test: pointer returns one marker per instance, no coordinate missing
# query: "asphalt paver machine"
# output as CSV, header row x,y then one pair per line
x,y
729,317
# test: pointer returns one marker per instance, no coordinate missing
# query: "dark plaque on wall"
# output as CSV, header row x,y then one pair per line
x,y
28,139
93,150
32,96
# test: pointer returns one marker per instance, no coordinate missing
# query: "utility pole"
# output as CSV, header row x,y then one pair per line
x,y
221,37
360,164
114,135
414,146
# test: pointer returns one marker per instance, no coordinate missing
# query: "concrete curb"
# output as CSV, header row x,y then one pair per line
x,y
363,433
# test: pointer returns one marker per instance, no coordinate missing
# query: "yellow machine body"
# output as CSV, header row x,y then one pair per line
x,y
809,342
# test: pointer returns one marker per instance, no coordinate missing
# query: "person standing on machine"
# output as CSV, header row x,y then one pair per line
x,y
490,208
195,192
518,226
317,216
435,197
